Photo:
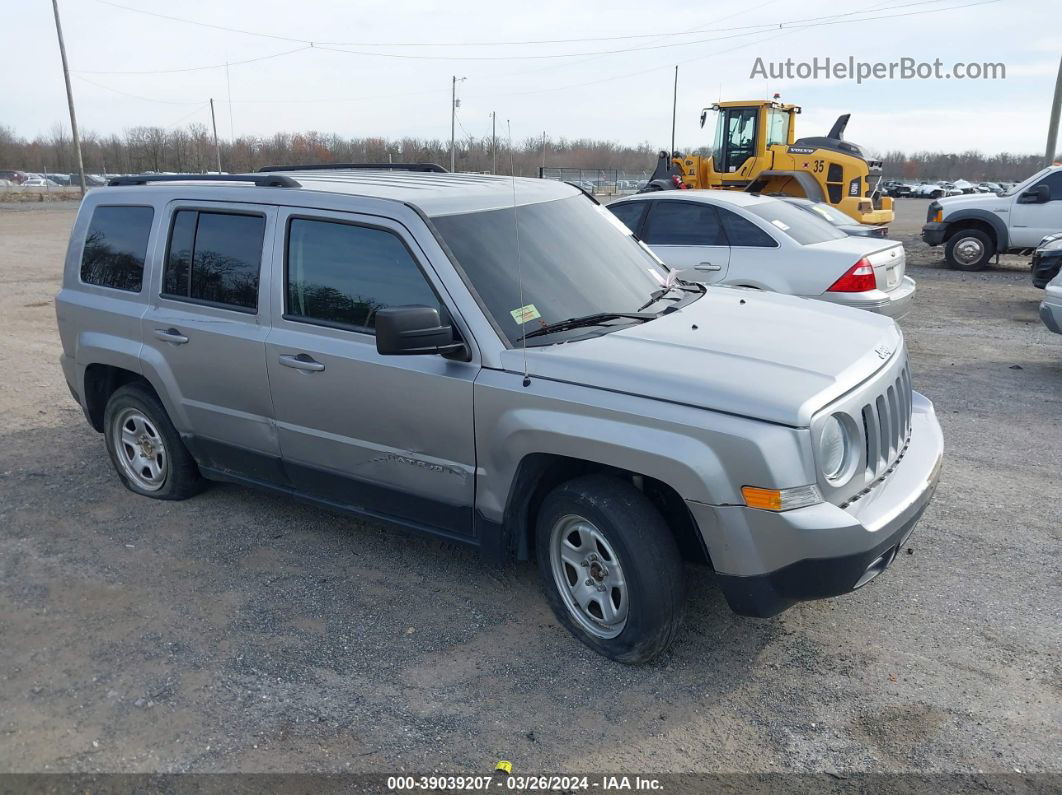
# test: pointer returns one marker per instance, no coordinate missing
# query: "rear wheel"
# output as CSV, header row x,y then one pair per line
x,y
145,448
969,250
611,568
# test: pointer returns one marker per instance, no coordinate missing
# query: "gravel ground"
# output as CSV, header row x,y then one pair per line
x,y
239,631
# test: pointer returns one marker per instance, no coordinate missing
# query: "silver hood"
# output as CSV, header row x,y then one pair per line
x,y
767,356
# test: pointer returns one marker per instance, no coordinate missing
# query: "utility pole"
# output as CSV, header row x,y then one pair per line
x,y
674,109
494,140
1052,127
69,97
228,93
214,122
453,120
540,173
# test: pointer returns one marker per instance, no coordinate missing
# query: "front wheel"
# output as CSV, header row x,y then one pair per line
x,y
611,569
969,250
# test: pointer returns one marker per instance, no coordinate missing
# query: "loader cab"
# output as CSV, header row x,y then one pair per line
x,y
745,131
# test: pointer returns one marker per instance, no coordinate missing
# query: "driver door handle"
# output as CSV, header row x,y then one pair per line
x,y
707,266
170,335
302,361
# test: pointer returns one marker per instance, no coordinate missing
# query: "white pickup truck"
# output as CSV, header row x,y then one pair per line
x,y
973,228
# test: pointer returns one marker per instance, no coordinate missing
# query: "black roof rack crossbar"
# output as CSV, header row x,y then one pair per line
x,y
428,167
278,181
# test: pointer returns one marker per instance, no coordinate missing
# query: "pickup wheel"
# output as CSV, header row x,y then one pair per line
x,y
145,448
611,569
969,250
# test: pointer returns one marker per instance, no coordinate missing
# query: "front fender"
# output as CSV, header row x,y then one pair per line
x,y
703,455
975,214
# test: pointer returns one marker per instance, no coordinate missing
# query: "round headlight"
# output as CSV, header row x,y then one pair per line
x,y
833,448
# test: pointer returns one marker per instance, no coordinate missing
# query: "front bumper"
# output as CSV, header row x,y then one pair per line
x,y
1045,267
933,232
895,303
767,562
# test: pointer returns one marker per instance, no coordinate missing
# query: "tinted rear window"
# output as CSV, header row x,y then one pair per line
x,y
115,247
679,223
630,213
215,258
740,232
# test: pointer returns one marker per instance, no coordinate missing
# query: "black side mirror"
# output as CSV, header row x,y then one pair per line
x,y
1037,194
412,331
704,117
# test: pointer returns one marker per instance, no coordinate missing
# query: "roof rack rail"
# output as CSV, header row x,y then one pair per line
x,y
426,167
278,181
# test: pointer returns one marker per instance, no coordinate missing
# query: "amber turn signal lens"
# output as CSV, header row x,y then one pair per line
x,y
764,499
781,499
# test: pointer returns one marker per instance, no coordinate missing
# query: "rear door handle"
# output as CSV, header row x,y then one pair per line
x,y
707,266
170,335
302,361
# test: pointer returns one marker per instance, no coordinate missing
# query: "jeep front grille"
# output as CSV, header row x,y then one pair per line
x,y
887,425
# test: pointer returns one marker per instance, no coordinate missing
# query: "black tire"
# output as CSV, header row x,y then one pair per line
x,y
646,550
181,478
969,250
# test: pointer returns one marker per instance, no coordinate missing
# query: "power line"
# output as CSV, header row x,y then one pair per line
x,y
193,68
138,96
338,46
786,28
785,31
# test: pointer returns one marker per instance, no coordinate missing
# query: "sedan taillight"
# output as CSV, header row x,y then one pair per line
x,y
857,279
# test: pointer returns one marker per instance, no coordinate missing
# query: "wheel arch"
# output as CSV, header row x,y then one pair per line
x,y
100,382
538,474
989,223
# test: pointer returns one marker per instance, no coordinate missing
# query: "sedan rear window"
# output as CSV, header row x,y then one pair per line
x,y
799,225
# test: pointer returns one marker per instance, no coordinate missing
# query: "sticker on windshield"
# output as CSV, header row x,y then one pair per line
x,y
525,313
780,225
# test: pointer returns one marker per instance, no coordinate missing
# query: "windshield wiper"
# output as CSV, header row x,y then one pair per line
x,y
597,319
688,287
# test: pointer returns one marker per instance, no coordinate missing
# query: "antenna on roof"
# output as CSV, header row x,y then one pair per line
x,y
519,269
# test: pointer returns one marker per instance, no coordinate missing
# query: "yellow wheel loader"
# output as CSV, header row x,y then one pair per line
x,y
755,150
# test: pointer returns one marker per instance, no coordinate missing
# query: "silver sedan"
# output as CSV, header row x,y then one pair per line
x,y
748,240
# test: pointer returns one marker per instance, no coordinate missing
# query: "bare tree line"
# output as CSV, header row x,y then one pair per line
x,y
191,149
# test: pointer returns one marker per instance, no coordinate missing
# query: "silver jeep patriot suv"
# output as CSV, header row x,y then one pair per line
x,y
500,362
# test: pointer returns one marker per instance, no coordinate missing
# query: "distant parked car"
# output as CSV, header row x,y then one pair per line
x,y
40,182
834,216
935,190
990,187
747,240
1047,260
1051,306
17,177
897,189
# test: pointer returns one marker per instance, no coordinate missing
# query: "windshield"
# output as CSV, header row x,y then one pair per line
x,y
575,259
831,214
1021,185
800,225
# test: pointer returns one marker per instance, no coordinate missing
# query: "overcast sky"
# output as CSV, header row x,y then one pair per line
x,y
614,81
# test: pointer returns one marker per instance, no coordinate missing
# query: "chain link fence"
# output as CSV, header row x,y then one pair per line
x,y
599,181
